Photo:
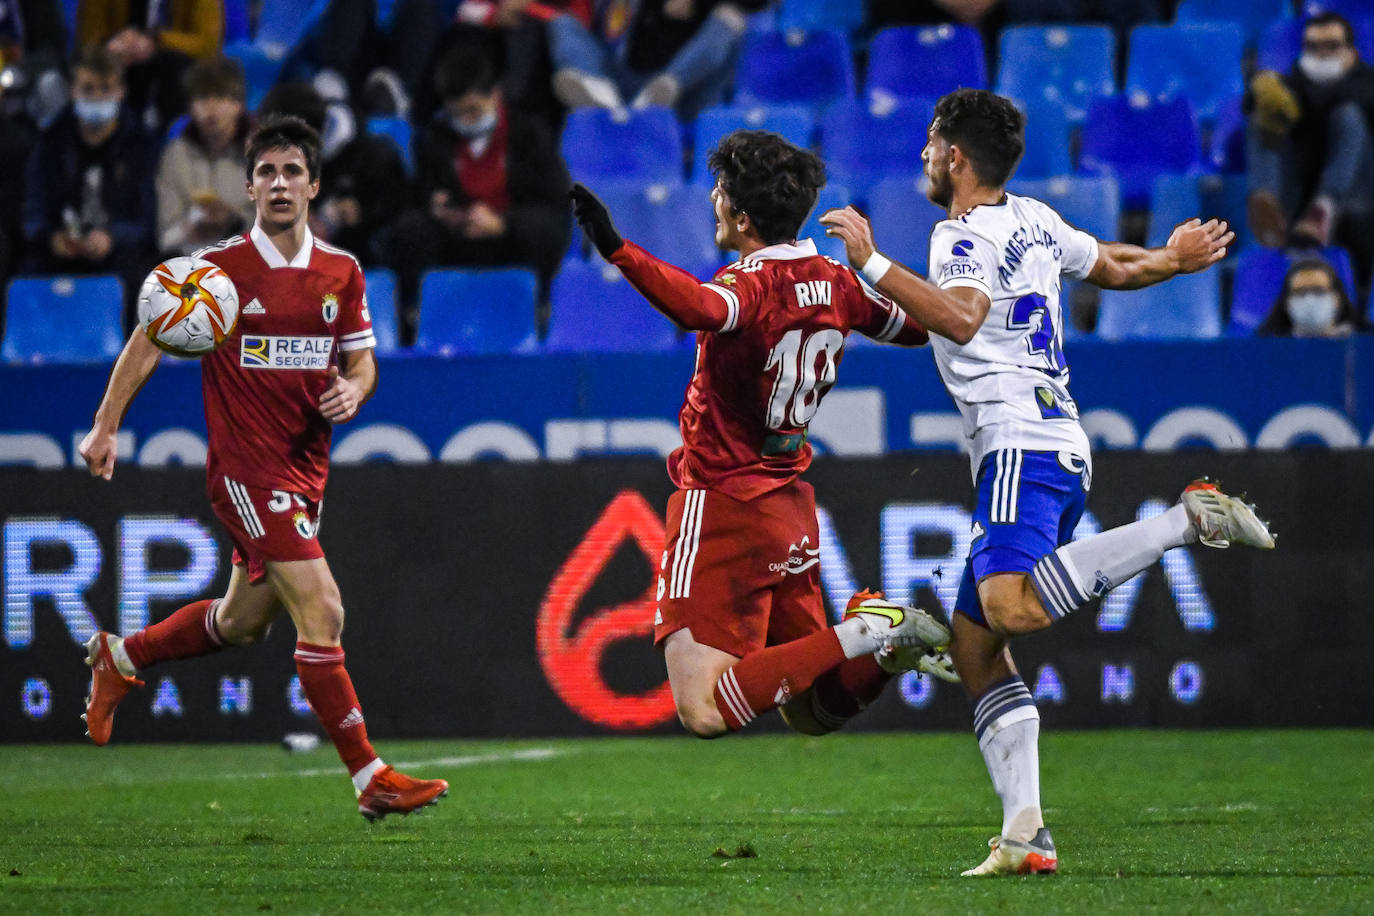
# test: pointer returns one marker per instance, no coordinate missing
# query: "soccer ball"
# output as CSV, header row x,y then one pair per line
x,y
188,306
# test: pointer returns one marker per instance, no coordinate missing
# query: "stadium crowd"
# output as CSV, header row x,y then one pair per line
x,y
452,131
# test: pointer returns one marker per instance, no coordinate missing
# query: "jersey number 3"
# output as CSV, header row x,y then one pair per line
x,y
800,383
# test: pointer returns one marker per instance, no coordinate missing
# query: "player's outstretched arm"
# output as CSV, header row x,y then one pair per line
x,y
670,289
1193,246
956,313
136,362
349,390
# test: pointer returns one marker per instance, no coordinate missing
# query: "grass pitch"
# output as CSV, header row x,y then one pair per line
x,y
1256,821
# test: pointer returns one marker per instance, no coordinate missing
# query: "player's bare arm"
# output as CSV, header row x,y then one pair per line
x,y
136,362
1193,246
956,314
350,388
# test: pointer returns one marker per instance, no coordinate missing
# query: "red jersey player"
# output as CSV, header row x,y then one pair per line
x,y
740,619
300,359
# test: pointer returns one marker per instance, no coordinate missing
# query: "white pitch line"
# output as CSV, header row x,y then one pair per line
x,y
467,760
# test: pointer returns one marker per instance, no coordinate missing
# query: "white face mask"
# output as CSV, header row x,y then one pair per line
x,y
1312,312
472,130
1321,69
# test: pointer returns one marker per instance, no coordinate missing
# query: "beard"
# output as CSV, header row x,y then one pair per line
x,y
940,190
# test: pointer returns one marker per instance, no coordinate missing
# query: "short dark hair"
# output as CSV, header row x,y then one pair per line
x,y
464,70
216,78
100,61
297,98
987,127
1331,18
283,132
771,180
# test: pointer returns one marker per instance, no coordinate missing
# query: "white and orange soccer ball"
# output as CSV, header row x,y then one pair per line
x,y
188,306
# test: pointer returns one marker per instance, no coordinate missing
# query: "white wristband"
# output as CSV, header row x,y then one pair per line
x,y
875,268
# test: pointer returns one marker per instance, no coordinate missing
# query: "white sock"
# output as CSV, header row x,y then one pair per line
x,y
857,637
1008,728
1076,573
121,657
364,776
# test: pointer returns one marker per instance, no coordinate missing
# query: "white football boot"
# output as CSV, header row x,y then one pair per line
x,y
1013,857
1223,520
915,640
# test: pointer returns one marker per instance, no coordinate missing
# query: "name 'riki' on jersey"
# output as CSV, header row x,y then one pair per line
x,y
771,332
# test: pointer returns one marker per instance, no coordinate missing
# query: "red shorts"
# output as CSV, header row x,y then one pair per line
x,y
741,575
267,526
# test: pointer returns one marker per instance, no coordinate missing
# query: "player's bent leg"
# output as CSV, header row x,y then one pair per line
x,y
694,671
1011,605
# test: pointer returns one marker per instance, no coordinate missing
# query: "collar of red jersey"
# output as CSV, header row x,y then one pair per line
x,y
805,248
273,257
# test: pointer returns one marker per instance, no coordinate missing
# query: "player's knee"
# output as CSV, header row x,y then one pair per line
x,y
701,719
240,631
1015,614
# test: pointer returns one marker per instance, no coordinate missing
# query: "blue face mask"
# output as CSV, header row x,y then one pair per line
x,y
95,112
474,129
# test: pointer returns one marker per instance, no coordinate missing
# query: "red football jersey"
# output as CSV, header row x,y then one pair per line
x,y
772,330
263,385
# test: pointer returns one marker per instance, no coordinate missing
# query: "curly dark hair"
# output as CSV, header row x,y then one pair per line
x,y
989,129
284,132
771,180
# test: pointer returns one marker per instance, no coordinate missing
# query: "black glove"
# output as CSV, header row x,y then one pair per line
x,y
591,214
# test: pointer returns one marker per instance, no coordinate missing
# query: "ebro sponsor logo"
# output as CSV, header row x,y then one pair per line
x,y
260,352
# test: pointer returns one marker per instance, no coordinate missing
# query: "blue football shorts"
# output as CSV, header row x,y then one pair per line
x,y
1028,504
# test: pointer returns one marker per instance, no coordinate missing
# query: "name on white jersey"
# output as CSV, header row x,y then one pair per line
x,y
812,292
266,352
1021,241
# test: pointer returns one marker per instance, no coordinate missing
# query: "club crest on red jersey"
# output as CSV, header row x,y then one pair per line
x,y
329,307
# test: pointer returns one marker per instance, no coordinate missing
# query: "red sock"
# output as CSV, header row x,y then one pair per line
x,y
330,691
843,692
770,677
189,632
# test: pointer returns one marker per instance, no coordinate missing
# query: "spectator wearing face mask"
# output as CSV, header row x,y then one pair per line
x,y
491,187
1310,150
90,205
1312,303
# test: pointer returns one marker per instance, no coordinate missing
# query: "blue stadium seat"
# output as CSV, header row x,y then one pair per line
x,y
1259,279
1226,147
675,224
807,15
831,197
282,26
472,312
796,123
1173,199
644,147
925,61
1090,204
1199,61
398,131
63,320
807,68
1136,139
381,305
1067,64
1280,43
596,310
1047,140
1187,307
1250,15
862,148
238,21
1350,9
902,220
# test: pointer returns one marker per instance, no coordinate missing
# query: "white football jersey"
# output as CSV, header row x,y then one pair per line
x,y
1011,382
